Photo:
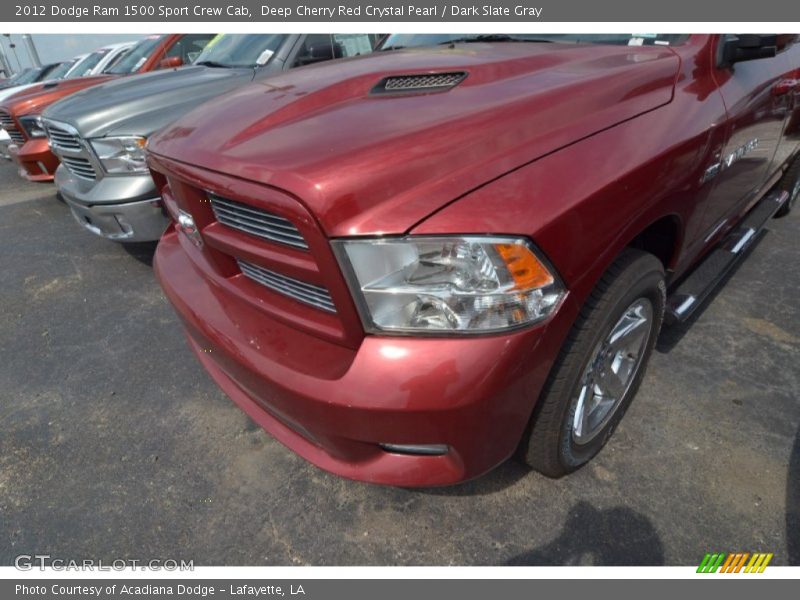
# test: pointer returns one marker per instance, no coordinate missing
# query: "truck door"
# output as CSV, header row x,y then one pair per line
x,y
756,116
789,87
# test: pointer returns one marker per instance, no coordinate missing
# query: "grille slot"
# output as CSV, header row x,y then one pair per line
x,y
62,139
419,83
79,166
7,123
257,222
301,291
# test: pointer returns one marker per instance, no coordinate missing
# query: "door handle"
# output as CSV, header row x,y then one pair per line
x,y
784,86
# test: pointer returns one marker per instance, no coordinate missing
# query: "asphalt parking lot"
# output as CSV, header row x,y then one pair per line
x,y
115,444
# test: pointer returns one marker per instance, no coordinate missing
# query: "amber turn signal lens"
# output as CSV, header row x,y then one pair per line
x,y
527,270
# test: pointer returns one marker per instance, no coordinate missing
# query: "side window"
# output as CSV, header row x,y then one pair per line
x,y
189,47
319,47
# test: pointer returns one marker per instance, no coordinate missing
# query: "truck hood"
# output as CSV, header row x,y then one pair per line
x,y
139,104
35,99
366,162
17,89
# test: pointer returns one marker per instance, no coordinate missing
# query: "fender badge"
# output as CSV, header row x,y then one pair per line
x,y
729,160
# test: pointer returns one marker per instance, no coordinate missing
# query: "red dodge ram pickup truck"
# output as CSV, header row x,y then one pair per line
x,y
409,266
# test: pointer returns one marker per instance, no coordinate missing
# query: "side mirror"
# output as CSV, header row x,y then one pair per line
x,y
171,62
322,52
746,46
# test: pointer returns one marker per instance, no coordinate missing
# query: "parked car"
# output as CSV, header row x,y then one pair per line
x,y
17,77
74,62
60,72
64,70
30,75
99,134
100,60
20,114
410,266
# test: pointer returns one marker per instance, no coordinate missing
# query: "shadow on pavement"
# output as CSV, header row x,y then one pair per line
x,y
615,536
500,478
671,335
141,251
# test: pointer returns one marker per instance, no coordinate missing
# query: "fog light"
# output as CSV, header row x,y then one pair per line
x,y
422,449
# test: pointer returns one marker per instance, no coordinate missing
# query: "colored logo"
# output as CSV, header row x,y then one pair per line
x,y
743,562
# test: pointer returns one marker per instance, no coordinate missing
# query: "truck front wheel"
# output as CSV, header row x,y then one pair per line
x,y
600,367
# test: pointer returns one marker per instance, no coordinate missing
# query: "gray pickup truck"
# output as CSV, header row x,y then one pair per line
x,y
99,134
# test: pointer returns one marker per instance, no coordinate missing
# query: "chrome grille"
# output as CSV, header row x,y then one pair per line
x,y
79,166
288,286
70,149
7,123
61,139
256,222
422,82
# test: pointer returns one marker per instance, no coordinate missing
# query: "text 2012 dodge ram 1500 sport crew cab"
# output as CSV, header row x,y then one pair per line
x,y
21,114
409,266
106,127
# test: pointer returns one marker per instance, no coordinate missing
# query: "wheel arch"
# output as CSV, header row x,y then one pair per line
x,y
662,238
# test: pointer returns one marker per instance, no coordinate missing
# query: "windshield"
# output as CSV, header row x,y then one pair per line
x,y
138,55
233,50
28,76
87,64
61,70
115,60
403,40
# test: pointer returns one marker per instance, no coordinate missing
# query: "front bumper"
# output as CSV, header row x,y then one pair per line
x,y
123,209
335,406
35,160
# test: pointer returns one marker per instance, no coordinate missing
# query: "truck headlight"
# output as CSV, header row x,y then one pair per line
x,y
32,126
121,155
464,284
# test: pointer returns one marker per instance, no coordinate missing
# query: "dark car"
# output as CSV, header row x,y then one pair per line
x,y
31,75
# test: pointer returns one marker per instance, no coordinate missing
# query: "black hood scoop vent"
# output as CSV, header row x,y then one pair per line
x,y
419,83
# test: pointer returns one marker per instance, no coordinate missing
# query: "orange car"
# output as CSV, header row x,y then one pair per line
x,y
20,113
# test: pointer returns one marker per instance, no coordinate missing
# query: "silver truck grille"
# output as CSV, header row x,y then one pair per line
x,y
79,166
301,291
70,149
61,139
7,123
256,222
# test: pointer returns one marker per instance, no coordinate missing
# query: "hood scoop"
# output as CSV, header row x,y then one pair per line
x,y
419,83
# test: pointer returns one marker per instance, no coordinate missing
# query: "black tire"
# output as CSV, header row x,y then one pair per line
x,y
790,182
549,446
